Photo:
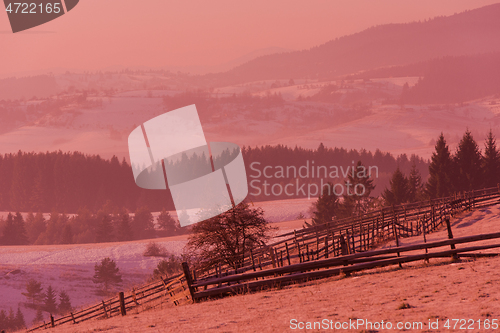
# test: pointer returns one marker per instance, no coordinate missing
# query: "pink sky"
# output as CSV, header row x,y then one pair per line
x,y
99,34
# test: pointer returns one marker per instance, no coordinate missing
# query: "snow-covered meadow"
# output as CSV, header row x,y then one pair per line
x,y
419,293
71,267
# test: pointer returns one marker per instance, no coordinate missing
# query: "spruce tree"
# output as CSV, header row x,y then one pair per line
x,y
50,302
64,303
67,234
399,189
104,230
11,320
19,320
35,226
20,233
124,232
415,185
359,187
468,175
440,184
167,223
3,319
106,273
142,225
491,162
326,207
39,317
33,292
9,231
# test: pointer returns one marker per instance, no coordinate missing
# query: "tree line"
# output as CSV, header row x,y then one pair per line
x,y
86,227
281,155
456,80
68,182
11,322
465,170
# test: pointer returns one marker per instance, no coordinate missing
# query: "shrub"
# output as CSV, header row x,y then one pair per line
x,y
155,250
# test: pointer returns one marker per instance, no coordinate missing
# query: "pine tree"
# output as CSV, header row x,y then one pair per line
x,y
38,194
415,185
67,234
124,232
359,187
326,207
9,231
11,320
468,175
19,320
50,302
491,162
39,317
167,223
35,226
440,184
33,292
104,230
20,234
399,189
107,273
3,320
64,303
143,224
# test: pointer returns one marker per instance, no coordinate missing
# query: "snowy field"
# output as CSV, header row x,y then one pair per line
x,y
434,291
71,267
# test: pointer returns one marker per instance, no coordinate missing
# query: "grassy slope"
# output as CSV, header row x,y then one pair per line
x,y
437,291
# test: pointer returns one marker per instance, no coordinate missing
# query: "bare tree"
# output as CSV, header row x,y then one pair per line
x,y
227,237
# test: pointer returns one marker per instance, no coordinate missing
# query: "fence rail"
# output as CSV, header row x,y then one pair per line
x,y
343,242
174,289
337,247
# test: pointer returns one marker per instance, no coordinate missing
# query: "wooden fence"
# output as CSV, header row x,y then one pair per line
x,y
174,289
344,241
337,247
280,276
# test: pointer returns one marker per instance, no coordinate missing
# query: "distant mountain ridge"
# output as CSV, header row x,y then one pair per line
x,y
467,33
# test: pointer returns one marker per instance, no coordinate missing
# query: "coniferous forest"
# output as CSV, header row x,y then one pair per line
x,y
69,182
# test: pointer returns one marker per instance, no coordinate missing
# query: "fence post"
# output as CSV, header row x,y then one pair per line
x,y
317,246
253,261
300,254
343,246
287,254
450,236
396,236
353,240
52,320
273,260
122,303
189,280
360,237
423,233
105,311
326,246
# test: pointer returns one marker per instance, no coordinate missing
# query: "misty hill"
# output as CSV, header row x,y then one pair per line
x,y
450,79
456,80
471,32
27,87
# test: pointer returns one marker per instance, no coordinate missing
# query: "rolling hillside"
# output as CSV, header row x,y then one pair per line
x,y
470,32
